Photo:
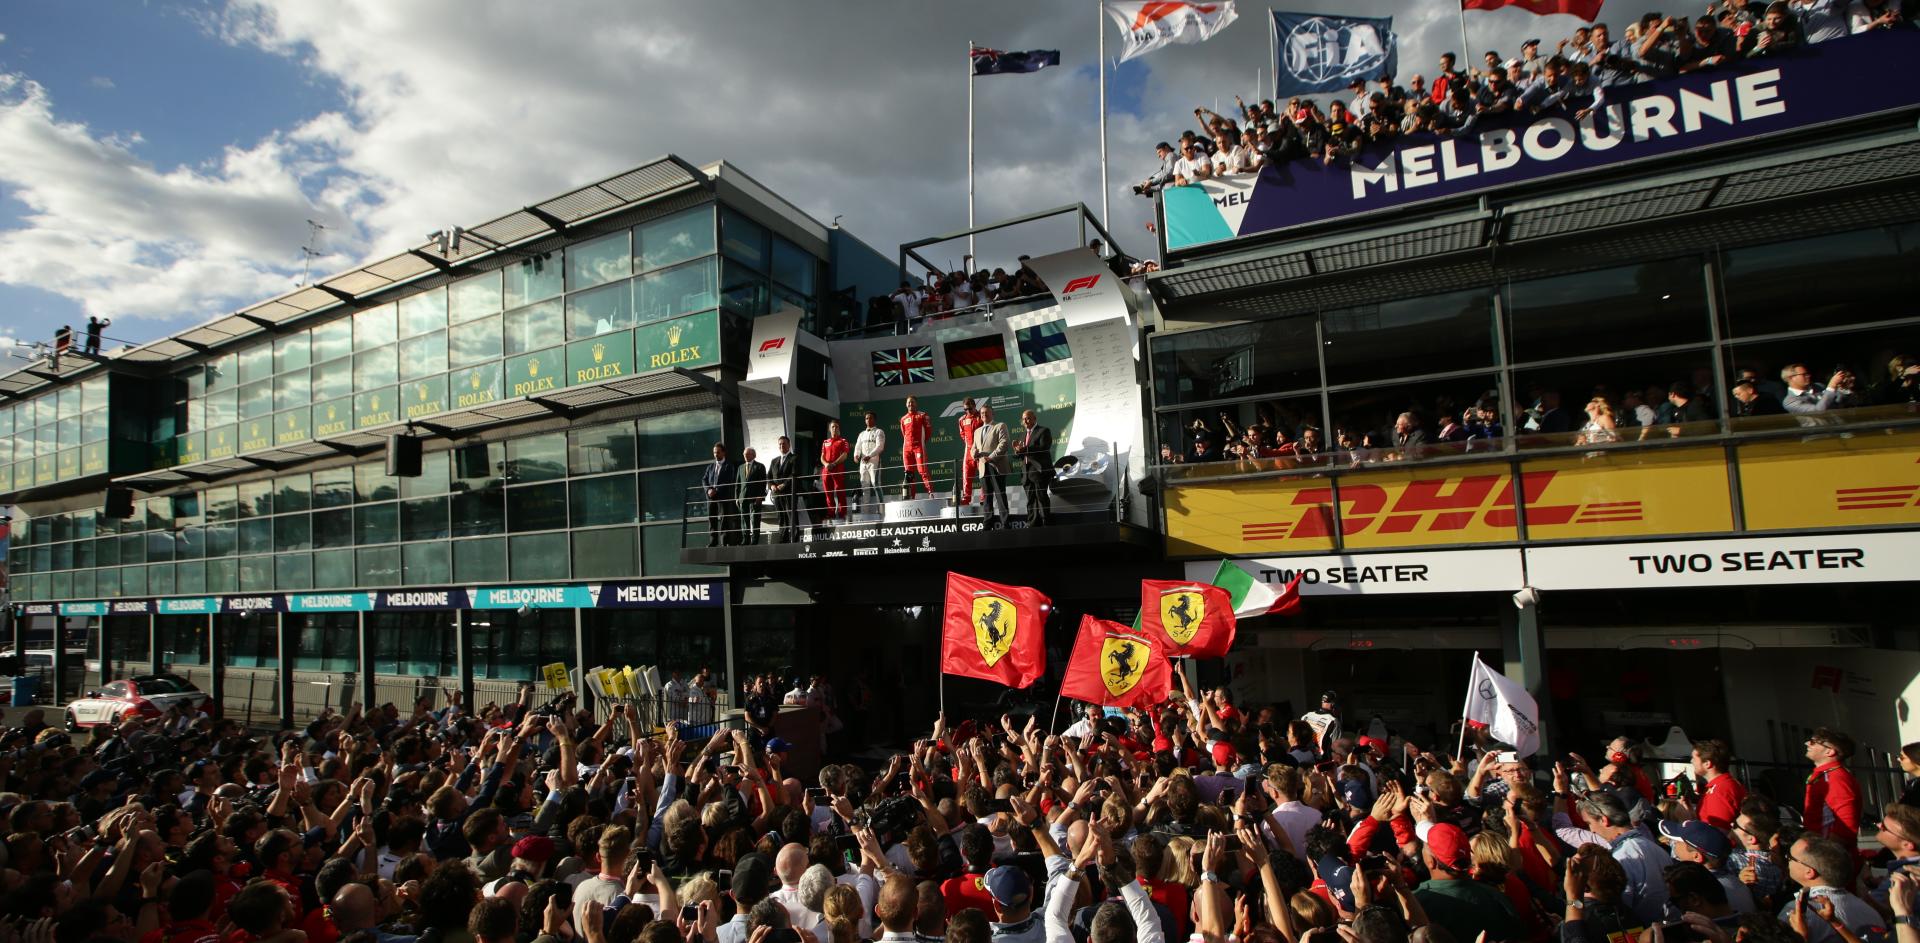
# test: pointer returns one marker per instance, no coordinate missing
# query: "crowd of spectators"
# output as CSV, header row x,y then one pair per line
x,y
1192,819
1572,78
1279,434
945,294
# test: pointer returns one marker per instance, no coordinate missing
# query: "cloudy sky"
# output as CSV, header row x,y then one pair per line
x,y
159,162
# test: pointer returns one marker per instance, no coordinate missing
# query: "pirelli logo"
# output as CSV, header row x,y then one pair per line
x,y
1435,505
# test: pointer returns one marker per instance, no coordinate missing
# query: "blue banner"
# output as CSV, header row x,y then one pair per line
x,y
1314,53
83,608
261,603
329,602
662,594
423,598
1827,83
533,597
173,607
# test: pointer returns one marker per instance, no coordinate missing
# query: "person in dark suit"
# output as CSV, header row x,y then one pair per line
x,y
1036,467
718,480
783,482
750,492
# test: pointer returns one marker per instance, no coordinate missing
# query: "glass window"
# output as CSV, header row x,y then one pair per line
x,y
744,291
599,261
255,498
189,578
333,488
223,576
479,512
324,642
537,507
426,563
423,519
1554,402
370,483
537,458
534,279
159,579
159,546
607,500
432,478
602,553
378,566
375,368
601,310
333,528
221,540
662,553
256,400
292,532
374,327
295,571
793,266
256,363
186,511
332,380
601,449
679,438
1409,337
676,238
256,575
474,297
536,327
223,409
1864,358
1656,304
474,342
1807,284
426,311
423,356
539,557
332,340
293,493
668,293
477,561
413,643
291,389
665,492
743,239
133,580
256,536
1365,418
292,352
333,569
1256,359
93,393
67,402
376,523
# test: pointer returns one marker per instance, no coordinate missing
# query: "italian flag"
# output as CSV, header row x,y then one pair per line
x,y
1251,597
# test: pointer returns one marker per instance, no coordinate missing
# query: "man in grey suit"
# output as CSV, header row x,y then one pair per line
x,y
990,447
784,483
750,492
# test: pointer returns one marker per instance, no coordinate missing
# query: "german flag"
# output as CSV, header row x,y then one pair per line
x,y
976,357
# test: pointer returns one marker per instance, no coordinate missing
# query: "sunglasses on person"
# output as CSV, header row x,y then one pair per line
x,y
1896,833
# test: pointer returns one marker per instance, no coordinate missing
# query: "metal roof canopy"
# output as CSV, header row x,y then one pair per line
x,y
554,217
1086,219
1694,206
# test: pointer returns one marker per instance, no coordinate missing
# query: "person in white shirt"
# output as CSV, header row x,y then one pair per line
x,y
677,693
867,450
790,866
1290,815
909,302
1192,167
1086,726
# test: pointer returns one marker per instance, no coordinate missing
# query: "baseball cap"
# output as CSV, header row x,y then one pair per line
x,y
778,745
1377,745
1510,63
1356,794
1223,754
1530,42
1009,886
533,848
1448,845
1705,838
1163,146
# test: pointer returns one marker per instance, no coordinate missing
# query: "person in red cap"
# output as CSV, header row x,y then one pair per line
x,y
1452,898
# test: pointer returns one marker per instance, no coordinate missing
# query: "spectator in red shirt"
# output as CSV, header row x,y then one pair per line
x,y
970,888
1832,807
187,911
276,851
1720,798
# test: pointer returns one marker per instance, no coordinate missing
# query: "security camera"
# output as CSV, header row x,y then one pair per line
x,y
526,608
1526,598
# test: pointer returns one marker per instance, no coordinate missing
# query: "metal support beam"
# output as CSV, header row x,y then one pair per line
x,y
286,646
258,322
216,656
197,348
553,222
1523,657
363,687
437,262
344,297
580,661
155,662
462,643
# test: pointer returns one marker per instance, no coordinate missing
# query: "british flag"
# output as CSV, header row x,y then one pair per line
x,y
899,366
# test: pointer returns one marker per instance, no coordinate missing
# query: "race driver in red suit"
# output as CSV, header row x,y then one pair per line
x,y
914,429
969,421
833,472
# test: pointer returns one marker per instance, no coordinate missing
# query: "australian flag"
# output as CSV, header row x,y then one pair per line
x,y
896,367
995,62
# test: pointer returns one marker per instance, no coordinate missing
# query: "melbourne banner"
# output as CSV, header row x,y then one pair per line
x,y
1828,83
1314,53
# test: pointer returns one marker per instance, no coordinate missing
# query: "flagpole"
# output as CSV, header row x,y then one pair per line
x,y
1273,49
1100,25
1472,673
970,150
1466,53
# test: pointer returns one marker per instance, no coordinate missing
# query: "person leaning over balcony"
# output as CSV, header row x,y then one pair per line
x,y
1777,34
1866,15
1192,167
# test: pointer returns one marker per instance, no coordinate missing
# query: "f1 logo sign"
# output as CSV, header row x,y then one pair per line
x,y
1085,281
772,344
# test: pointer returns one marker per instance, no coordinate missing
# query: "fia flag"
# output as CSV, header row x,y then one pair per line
x,y
1584,9
1501,705
1315,53
994,632
1146,25
1116,666
1188,618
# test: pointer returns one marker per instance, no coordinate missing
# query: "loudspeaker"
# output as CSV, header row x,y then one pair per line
x,y
470,461
403,456
119,502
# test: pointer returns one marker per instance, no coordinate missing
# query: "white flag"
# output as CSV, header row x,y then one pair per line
x,y
1146,25
1504,708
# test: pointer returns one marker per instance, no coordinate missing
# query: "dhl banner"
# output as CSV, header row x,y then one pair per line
x,y
1868,478
1632,493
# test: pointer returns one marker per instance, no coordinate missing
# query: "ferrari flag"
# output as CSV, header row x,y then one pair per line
x,y
1146,25
1584,9
1188,618
1116,666
994,632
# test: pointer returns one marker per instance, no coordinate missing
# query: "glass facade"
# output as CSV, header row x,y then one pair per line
x,y
1652,347
55,436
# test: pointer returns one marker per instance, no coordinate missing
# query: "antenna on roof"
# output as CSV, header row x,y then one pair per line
x,y
310,251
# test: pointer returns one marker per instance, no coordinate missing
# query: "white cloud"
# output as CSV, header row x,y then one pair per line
x,y
459,110
100,81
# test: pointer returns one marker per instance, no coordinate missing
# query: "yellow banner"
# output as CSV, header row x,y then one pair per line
x,y
1248,517
557,677
1866,479
1629,493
